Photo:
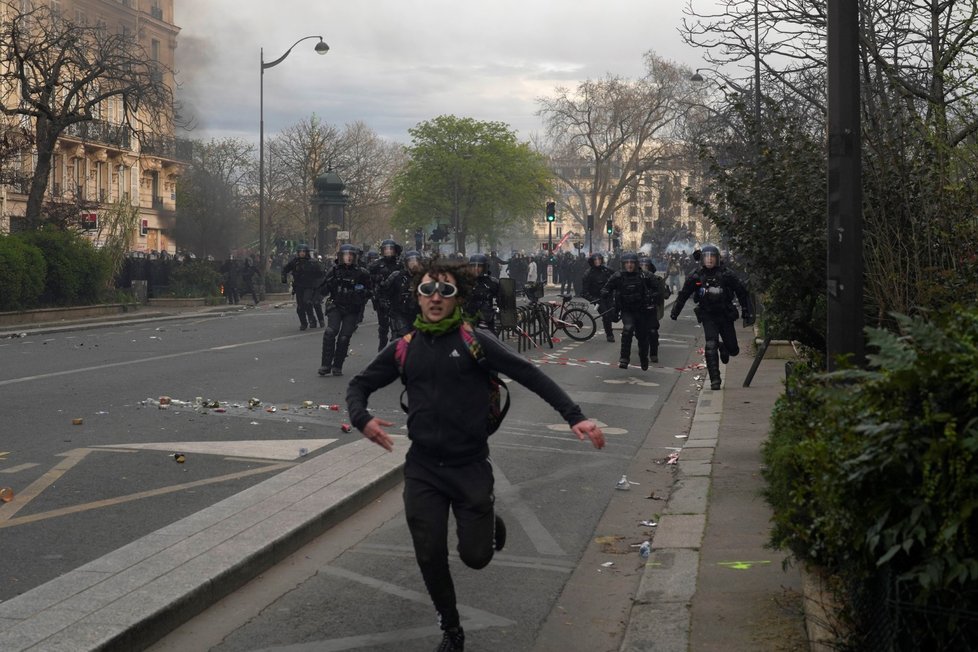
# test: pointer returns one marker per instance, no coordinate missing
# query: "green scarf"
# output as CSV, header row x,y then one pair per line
x,y
440,327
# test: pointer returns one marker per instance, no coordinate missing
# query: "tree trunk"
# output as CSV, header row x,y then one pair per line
x,y
45,139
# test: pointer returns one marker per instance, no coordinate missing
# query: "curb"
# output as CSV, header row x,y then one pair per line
x,y
661,613
131,597
99,322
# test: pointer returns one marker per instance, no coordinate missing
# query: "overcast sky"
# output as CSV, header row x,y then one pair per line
x,y
395,63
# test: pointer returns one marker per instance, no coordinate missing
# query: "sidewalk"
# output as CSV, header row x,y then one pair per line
x,y
710,583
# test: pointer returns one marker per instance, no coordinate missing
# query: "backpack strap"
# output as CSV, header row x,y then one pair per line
x,y
477,352
400,356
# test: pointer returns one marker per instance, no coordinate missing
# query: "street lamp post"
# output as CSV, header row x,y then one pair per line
x,y
321,48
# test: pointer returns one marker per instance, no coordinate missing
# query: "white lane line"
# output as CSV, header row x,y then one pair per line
x,y
18,469
514,504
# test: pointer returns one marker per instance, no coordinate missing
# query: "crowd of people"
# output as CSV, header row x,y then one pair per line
x,y
437,326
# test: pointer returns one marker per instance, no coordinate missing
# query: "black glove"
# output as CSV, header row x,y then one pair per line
x,y
749,319
674,315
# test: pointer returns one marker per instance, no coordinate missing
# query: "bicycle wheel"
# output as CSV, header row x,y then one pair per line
x,y
579,324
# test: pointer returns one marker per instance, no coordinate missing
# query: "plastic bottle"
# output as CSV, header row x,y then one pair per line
x,y
623,484
645,550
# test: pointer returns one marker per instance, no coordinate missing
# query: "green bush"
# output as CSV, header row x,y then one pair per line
x,y
23,273
875,472
195,279
76,272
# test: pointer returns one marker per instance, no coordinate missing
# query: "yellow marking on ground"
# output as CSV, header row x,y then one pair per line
x,y
34,489
109,502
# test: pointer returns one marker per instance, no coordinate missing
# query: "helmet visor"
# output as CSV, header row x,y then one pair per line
x,y
347,257
387,251
710,259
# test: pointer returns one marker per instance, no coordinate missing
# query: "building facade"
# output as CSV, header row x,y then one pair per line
x,y
100,163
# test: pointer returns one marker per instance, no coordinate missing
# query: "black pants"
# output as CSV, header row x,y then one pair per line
x,y
341,322
383,326
429,492
304,299
607,309
638,324
718,333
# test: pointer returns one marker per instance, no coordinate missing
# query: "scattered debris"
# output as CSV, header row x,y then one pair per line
x,y
346,427
623,484
648,523
6,494
77,422
179,458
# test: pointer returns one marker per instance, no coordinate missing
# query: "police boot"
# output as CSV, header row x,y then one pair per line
x,y
342,347
713,364
626,350
329,349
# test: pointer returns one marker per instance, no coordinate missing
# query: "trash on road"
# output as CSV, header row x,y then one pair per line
x,y
673,458
303,452
6,494
271,409
608,564
645,550
165,400
623,484
77,422
346,427
648,523
307,404
253,403
179,458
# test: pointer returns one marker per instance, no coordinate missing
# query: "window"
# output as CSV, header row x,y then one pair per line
x,y
80,18
648,210
633,211
633,227
154,50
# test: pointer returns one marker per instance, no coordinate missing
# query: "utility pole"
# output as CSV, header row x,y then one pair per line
x,y
845,219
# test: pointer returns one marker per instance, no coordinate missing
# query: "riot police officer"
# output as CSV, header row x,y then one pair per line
x,y
403,301
380,270
646,265
713,288
481,303
636,296
594,280
346,288
307,274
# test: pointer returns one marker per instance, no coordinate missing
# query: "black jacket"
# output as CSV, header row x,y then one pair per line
x,y
713,290
306,272
448,393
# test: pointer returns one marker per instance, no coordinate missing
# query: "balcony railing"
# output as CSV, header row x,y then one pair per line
x,y
100,131
157,202
165,147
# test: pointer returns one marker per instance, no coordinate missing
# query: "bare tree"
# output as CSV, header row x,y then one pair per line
x,y
367,164
616,130
59,75
213,197
296,158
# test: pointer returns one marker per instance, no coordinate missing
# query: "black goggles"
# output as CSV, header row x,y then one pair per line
x,y
446,290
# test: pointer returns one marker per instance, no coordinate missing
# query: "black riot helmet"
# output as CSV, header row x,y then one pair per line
x,y
645,264
596,259
303,248
710,257
347,255
372,256
629,257
412,261
390,249
478,264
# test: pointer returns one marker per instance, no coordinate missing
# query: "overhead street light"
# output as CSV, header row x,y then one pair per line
x,y
321,48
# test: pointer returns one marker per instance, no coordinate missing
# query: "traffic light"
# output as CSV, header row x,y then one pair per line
x,y
551,211
144,227
609,228
590,222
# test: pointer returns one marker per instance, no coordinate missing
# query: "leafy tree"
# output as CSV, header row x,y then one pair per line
x,y
213,196
472,175
60,76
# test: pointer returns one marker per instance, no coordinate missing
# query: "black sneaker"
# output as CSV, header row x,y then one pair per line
x,y
724,356
302,327
324,371
337,371
644,363
611,338
453,640
715,385
623,363
655,358
499,534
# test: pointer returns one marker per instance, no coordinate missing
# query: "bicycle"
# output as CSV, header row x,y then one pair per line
x,y
547,318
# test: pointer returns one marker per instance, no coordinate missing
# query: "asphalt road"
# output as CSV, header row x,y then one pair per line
x,y
358,587
84,490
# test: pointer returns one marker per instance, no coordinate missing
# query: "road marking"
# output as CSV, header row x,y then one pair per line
x,y
742,565
540,537
4,455
18,469
109,502
277,449
34,489
633,401
156,358
631,380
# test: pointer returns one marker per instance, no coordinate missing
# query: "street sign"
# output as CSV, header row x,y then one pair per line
x,y
342,235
